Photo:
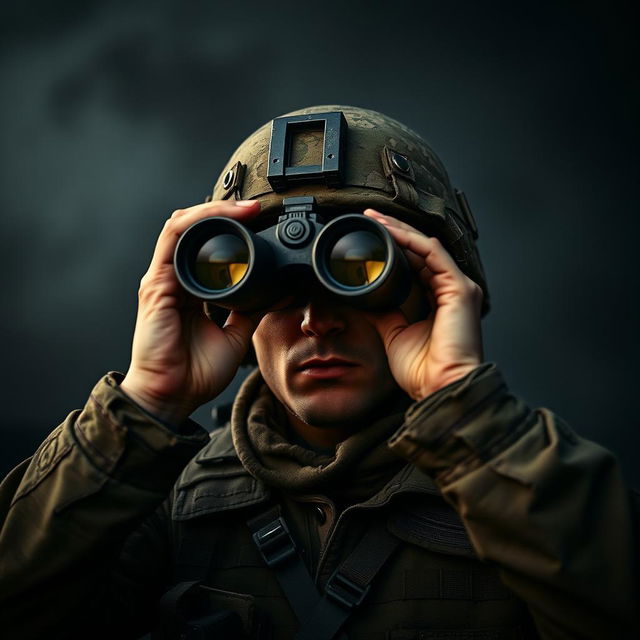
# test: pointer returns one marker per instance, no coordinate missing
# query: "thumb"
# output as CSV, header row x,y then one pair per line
x,y
389,326
238,329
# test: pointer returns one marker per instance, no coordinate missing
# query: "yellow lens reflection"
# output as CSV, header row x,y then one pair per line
x,y
222,262
357,259
237,271
374,269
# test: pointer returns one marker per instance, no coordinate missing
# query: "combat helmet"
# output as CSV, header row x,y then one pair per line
x,y
348,159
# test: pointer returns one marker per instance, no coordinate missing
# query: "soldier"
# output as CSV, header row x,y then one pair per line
x,y
377,478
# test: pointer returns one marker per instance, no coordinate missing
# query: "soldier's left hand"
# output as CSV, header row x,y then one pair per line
x,y
426,354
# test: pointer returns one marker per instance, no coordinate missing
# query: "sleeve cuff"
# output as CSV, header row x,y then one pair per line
x,y
187,428
130,445
453,430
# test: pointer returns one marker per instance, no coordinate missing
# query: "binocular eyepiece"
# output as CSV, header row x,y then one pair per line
x,y
354,257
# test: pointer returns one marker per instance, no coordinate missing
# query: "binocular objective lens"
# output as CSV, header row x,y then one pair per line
x,y
221,262
357,259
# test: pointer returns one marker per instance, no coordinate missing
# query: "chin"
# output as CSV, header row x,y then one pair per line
x,y
335,410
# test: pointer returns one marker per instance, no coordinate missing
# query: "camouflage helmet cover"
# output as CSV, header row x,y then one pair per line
x,y
385,165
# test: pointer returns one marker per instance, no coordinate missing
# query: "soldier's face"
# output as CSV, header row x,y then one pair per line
x,y
324,361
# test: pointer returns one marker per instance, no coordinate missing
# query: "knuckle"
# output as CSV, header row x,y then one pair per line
x,y
147,283
474,290
157,276
143,286
177,213
170,223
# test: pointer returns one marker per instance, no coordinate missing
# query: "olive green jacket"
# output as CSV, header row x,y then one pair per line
x,y
545,546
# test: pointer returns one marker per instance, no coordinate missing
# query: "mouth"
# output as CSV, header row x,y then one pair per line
x,y
325,368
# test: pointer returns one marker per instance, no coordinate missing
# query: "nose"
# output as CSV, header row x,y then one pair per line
x,y
322,317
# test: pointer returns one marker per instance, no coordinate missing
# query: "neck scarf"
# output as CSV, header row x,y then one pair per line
x,y
361,465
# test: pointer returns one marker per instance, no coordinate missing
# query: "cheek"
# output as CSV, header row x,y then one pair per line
x,y
264,356
262,340
271,341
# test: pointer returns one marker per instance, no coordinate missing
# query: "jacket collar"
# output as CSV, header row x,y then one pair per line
x,y
215,481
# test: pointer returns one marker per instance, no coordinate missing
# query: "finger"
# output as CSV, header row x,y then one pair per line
x,y
415,259
388,221
423,275
430,249
416,262
389,325
442,274
394,226
239,328
182,219
214,205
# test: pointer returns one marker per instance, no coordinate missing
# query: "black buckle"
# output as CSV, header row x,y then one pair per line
x,y
275,542
280,173
344,591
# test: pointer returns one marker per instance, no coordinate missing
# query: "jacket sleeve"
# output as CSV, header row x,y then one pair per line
x,y
546,506
89,500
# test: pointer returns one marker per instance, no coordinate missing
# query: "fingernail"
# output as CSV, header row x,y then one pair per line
x,y
245,203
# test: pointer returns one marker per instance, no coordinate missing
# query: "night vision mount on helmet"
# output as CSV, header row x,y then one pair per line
x,y
307,169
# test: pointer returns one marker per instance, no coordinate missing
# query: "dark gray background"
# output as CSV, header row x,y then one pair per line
x,y
114,114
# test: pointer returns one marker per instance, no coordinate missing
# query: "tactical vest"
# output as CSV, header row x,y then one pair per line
x,y
432,587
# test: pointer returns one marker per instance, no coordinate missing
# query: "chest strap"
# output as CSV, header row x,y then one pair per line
x,y
273,539
321,615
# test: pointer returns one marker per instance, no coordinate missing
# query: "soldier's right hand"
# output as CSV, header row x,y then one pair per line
x,y
180,359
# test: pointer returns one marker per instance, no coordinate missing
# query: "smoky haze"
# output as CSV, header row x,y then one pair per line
x,y
115,114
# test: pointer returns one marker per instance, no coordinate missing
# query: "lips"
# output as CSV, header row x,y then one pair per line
x,y
323,368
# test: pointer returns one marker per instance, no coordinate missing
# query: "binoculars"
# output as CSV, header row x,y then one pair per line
x,y
224,263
